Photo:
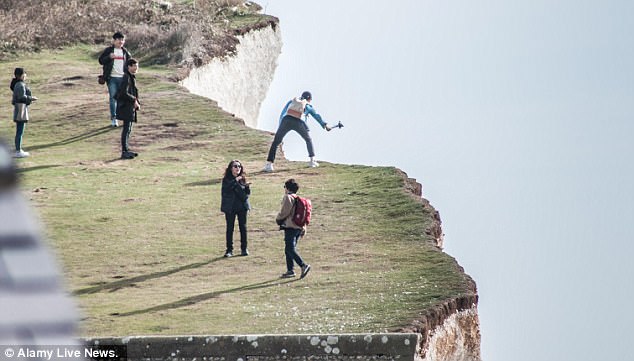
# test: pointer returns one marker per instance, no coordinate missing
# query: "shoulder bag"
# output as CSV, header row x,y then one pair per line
x,y
23,112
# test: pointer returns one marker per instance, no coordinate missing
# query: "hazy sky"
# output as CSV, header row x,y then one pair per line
x,y
517,118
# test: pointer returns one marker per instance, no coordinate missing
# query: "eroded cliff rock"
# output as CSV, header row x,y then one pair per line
x,y
239,81
458,338
450,330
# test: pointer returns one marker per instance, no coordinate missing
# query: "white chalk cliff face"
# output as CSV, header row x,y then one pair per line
x,y
239,82
457,339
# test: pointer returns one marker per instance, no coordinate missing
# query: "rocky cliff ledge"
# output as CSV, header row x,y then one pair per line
x,y
450,331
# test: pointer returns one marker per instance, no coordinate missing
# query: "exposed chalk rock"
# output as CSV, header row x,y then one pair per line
x,y
458,338
239,82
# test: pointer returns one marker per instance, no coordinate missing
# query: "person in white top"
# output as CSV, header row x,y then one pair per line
x,y
113,60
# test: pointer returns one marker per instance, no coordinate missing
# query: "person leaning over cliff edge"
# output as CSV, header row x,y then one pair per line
x,y
235,203
114,59
21,100
127,106
291,119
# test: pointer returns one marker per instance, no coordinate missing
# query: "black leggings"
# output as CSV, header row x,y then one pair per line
x,y
230,217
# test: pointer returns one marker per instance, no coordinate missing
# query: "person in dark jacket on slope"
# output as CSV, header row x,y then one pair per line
x,y
235,203
127,106
114,59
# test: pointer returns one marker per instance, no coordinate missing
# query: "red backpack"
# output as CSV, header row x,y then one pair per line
x,y
303,209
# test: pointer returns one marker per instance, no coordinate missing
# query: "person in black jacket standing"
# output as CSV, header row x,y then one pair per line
x,y
114,59
235,202
127,106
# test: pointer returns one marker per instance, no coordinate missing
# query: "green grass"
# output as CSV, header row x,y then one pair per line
x,y
141,241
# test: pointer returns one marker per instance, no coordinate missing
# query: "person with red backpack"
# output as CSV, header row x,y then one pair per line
x,y
292,231
291,119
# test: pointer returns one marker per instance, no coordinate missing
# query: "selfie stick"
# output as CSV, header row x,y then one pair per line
x,y
338,125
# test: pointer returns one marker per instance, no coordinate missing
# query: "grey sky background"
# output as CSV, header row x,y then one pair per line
x,y
517,118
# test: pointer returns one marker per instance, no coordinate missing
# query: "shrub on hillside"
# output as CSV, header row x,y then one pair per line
x,y
157,46
186,32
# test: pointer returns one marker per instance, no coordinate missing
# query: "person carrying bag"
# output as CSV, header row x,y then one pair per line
x,y
21,100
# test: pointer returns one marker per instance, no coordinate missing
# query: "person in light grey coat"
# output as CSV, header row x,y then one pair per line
x,y
21,100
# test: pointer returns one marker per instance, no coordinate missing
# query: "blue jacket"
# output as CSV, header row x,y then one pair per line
x,y
309,110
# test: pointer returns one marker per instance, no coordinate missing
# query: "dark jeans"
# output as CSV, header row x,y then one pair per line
x,y
19,132
291,236
242,225
125,135
291,123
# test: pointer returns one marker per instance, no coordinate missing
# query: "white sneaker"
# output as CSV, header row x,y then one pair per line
x,y
313,164
21,154
115,123
268,167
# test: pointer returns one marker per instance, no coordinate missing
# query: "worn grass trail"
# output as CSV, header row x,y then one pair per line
x,y
141,240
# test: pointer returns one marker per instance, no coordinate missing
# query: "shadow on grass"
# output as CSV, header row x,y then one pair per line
x,y
130,282
210,182
77,138
204,297
30,169
204,183
118,159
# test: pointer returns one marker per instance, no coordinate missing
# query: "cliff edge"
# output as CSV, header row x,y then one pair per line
x,y
141,241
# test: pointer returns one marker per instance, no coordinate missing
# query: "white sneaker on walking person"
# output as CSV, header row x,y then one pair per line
x,y
268,167
21,154
115,123
313,163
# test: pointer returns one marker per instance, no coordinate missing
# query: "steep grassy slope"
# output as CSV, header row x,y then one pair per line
x,y
141,241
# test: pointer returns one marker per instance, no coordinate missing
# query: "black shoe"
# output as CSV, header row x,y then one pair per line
x,y
134,154
289,274
228,254
305,271
245,252
127,155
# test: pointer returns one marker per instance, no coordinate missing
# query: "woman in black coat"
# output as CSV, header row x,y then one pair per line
x,y
127,105
235,202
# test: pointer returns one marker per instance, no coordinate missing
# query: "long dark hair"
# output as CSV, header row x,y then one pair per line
x,y
18,72
242,173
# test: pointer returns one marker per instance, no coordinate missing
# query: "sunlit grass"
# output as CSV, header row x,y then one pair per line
x,y
141,241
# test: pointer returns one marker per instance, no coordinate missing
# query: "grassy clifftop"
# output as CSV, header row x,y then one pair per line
x,y
141,241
